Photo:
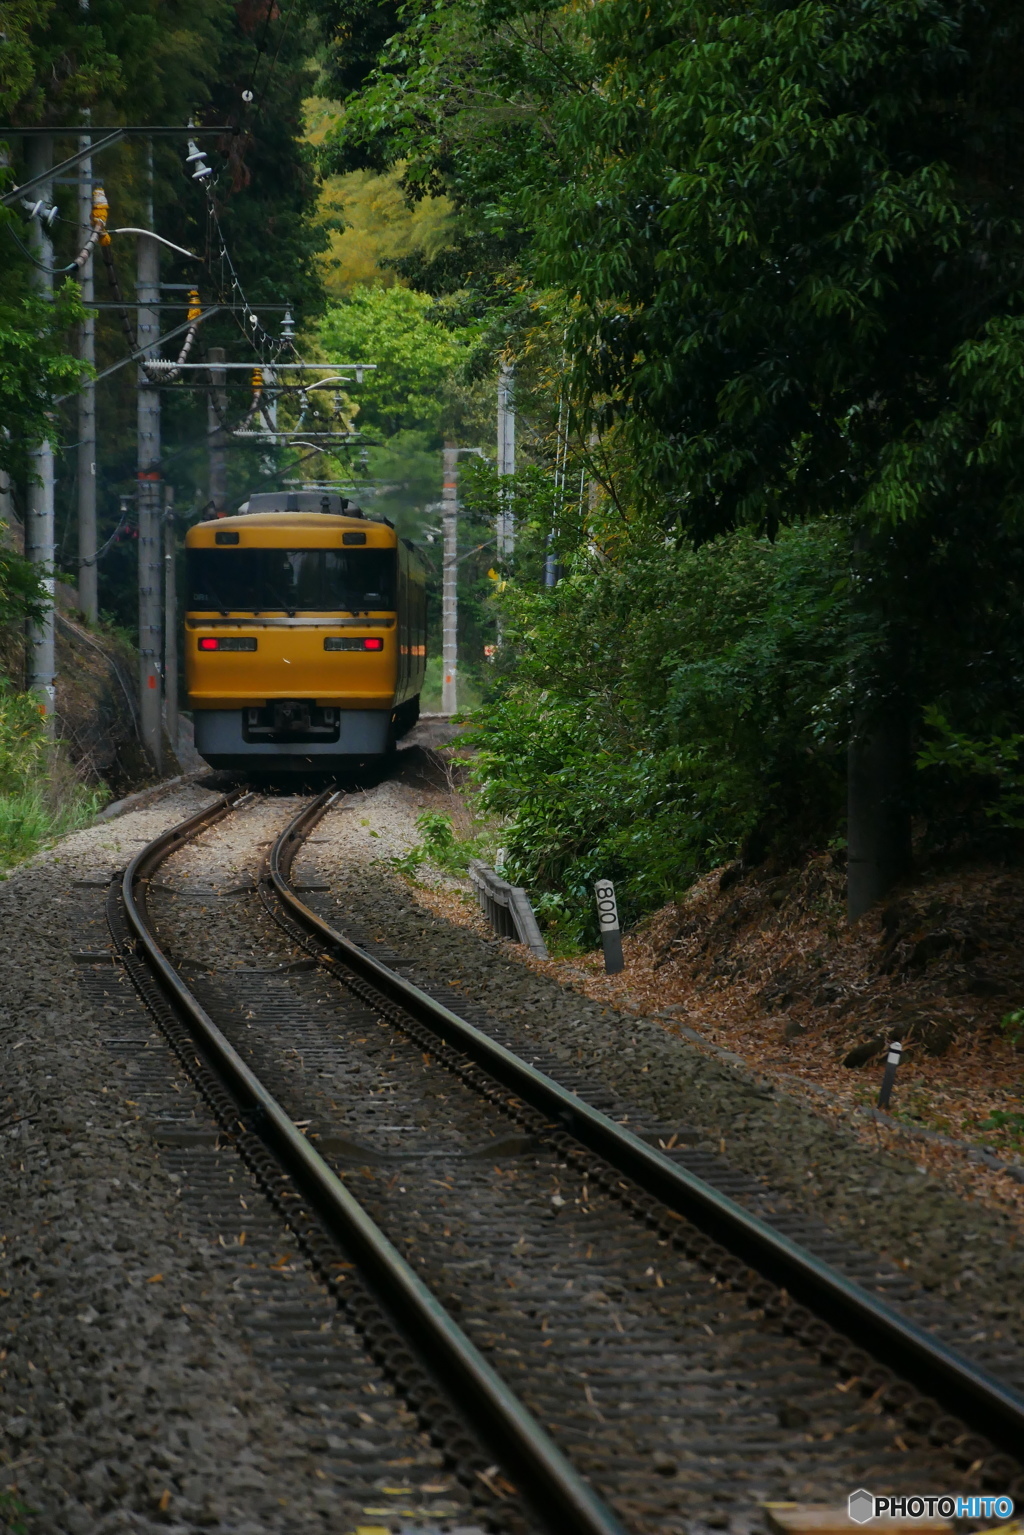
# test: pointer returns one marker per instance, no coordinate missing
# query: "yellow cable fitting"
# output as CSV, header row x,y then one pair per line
x,y
100,206
257,378
194,306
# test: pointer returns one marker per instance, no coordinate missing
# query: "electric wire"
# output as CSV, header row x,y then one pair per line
x,y
261,53
111,541
51,271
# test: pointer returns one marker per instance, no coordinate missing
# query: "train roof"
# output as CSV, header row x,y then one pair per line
x,y
302,530
324,501
283,530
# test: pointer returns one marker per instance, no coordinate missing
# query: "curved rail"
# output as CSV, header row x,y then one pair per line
x,y
962,1386
564,1501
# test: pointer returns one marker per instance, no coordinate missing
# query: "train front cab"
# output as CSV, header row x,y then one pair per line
x,y
305,639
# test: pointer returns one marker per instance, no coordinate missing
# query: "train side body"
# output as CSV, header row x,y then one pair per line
x,y
305,638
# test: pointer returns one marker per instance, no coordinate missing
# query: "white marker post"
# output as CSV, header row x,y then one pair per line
x,y
892,1060
608,919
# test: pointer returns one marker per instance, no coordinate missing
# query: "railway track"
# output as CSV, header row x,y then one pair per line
x,y
561,1324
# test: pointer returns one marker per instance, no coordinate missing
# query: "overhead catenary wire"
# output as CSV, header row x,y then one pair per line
x,y
274,343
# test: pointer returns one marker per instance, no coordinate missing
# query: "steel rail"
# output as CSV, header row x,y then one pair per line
x,y
963,1387
562,1499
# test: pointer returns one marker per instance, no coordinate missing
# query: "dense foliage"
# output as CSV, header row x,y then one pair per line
x,y
761,267
666,709
254,227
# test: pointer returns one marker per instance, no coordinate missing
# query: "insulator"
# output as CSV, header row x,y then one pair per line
x,y
257,378
45,212
288,327
194,306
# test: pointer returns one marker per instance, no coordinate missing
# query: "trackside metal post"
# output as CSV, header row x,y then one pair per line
x,y
506,460
892,1061
450,582
39,546
170,623
216,412
88,574
608,918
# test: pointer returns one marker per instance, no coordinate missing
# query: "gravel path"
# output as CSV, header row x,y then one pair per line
x,y
964,1259
140,1384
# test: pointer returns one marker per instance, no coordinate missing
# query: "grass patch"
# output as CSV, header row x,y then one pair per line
x,y
41,795
441,847
12,1514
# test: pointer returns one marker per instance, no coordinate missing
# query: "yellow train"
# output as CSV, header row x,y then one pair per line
x,y
305,634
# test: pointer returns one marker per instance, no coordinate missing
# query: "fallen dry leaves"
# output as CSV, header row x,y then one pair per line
x,y
765,966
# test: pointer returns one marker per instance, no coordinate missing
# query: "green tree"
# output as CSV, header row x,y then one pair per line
x,y
786,240
34,368
415,358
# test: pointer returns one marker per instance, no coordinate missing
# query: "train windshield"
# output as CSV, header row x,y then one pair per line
x,y
285,580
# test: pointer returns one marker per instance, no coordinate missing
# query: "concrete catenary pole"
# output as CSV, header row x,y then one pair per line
x,y
170,622
216,412
450,582
149,508
41,668
88,575
506,459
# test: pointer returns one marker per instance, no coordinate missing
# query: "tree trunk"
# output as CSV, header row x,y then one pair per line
x,y
878,807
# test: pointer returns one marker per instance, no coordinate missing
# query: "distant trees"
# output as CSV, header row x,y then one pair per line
x,y
153,61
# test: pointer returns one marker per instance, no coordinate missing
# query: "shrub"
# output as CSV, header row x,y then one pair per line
x,y
665,710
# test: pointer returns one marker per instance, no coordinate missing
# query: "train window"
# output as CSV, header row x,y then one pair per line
x,y
276,580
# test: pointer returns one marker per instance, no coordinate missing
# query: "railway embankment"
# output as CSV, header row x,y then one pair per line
x,y
951,1224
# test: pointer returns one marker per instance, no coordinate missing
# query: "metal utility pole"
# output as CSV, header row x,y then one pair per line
x,y
506,459
450,580
170,622
150,542
41,668
216,411
88,574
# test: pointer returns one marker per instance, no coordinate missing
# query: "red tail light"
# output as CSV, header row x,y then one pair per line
x,y
342,642
227,642
207,644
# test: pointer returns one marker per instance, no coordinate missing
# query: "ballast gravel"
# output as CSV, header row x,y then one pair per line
x,y
966,1260
131,1398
